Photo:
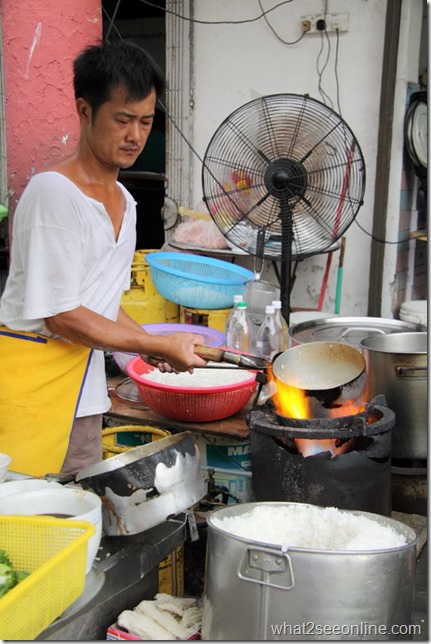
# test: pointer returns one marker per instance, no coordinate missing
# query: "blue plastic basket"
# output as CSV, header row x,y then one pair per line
x,y
195,281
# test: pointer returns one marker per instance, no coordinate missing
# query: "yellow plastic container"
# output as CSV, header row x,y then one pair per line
x,y
116,440
54,551
216,319
172,312
142,301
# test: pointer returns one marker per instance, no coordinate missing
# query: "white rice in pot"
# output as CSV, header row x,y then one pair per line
x,y
310,527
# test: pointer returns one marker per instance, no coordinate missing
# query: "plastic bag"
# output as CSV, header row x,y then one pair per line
x,y
198,230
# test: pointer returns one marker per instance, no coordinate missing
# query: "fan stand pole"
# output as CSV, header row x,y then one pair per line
x,y
286,262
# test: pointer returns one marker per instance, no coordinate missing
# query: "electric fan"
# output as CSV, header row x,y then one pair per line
x,y
283,177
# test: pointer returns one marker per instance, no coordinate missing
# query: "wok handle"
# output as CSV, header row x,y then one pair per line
x,y
215,354
244,360
207,353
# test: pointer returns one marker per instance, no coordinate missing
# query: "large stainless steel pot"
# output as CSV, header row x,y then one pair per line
x,y
252,587
397,368
145,485
351,330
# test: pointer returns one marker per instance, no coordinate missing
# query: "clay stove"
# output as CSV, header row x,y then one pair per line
x,y
344,462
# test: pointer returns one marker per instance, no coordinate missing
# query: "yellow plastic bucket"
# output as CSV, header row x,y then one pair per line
x,y
116,440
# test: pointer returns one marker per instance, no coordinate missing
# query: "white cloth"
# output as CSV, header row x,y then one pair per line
x,y
64,255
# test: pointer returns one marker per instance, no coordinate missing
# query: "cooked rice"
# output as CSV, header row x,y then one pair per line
x,y
311,527
200,377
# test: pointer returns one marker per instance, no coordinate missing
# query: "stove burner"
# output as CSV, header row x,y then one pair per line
x,y
375,418
357,479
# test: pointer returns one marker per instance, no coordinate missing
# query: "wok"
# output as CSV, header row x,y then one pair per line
x,y
143,486
330,374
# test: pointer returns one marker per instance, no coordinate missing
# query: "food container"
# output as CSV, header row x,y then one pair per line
x,y
194,404
397,366
60,502
351,330
26,485
284,587
54,551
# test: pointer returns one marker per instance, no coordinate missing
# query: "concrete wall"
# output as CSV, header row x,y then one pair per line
x,y
40,40
233,64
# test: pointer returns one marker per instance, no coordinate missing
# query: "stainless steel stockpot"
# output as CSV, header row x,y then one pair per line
x,y
252,587
397,366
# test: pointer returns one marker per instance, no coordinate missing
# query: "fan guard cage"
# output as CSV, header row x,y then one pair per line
x,y
283,153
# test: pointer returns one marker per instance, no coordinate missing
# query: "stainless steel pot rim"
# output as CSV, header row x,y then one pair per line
x,y
350,330
407,343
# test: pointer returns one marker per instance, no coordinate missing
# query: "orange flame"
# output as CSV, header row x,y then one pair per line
x,y
293,403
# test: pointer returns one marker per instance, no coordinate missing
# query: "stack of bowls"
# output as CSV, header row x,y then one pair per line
x,y
56,501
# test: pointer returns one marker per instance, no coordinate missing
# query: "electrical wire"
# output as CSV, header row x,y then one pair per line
x,y
216,22
337,81
285,42
323,94
111,21
382,241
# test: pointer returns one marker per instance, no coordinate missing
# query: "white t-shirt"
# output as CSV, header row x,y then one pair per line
x,y
64,255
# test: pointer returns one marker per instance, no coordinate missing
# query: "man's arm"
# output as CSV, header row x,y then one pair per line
x,y
83,326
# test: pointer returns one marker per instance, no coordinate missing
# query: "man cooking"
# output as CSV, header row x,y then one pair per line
x,y
74,236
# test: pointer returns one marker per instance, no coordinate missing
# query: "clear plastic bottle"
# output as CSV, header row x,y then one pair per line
x,y
236,299
282,322
269,339
239,334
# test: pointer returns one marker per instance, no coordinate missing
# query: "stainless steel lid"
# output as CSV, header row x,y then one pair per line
x,y
351,330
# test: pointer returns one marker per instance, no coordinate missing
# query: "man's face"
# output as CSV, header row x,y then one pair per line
x,y
118,132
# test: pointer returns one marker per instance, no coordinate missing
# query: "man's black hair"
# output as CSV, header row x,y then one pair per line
x,y
102,68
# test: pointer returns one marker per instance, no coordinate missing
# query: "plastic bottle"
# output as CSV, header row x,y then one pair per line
x,y
282,322
239,334
236,300
269,339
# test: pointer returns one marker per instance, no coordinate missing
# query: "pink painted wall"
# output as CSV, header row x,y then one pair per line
x,y
40,40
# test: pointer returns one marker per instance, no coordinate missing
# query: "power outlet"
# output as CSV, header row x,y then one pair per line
x,y
316,23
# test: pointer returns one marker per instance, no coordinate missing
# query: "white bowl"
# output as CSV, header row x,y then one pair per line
x,y
76,504
26,485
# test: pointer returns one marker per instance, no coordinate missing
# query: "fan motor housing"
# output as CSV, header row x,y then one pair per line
x,y
285,178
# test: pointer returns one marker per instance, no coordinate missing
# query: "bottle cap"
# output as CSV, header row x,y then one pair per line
x,y
269,309
242,305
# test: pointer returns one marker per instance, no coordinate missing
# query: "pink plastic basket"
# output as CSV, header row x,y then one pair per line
x,y
193,404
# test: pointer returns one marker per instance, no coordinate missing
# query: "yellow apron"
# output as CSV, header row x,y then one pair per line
x,y
41,380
